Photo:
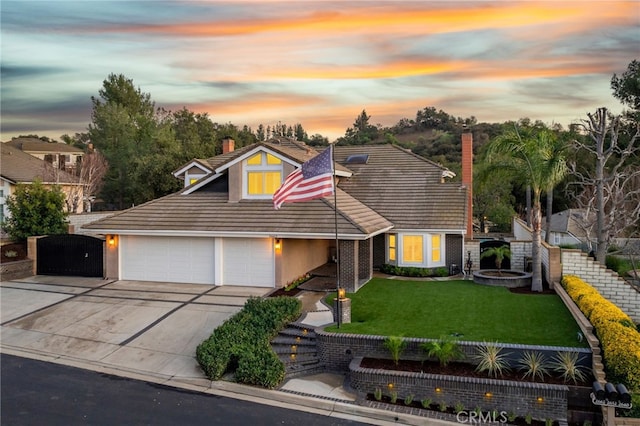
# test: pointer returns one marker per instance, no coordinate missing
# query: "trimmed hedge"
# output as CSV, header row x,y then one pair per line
x,y
619,338
241,343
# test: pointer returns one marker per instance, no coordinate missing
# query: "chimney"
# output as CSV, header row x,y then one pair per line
x,y
228,145
467,176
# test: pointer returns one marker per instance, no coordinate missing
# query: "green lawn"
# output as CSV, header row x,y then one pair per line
x,y
430,309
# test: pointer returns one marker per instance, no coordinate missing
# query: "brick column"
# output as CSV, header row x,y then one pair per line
x,y
467,177
348,265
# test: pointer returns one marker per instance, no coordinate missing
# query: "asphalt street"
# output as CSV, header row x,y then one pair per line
x,y
38,393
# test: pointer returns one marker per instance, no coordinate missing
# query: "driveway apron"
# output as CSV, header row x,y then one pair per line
x,y
149,327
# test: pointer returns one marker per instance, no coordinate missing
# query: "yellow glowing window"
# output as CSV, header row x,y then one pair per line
x,y
272,159
392,247
192,181
412,248
263,183
435,248
255,160
272,182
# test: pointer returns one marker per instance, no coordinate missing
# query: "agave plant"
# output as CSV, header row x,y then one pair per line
x,y
491,359
534,365
566,363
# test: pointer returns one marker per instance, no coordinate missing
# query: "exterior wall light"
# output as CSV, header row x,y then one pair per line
x,y
390,385
488,394
278,244
438,389
112,241
540,399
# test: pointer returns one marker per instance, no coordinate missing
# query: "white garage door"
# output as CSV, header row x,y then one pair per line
x,y
167,259
248,261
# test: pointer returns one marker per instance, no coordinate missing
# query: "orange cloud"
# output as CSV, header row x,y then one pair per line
x,y
421,17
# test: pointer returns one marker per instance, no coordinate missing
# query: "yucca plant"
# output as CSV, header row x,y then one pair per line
x,y
395,345
445,349
490,359
566,363
534,365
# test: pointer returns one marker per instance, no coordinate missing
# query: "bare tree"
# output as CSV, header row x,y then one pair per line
x,y
93,169
611,192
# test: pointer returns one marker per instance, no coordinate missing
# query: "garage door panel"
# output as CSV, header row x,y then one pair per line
x,y
168,259
249,261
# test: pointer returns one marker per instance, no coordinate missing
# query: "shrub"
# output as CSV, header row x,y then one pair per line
x,y
491,359
395,345
618,334
445,349
394,397
426,403
241,343
442,272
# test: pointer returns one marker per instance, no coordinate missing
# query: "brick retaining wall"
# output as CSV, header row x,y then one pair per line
x,y
542,401
337,350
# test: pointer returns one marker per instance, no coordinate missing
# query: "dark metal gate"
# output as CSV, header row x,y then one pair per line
x,y
70,255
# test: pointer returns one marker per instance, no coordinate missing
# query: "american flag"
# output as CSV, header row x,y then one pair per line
x,y
313,180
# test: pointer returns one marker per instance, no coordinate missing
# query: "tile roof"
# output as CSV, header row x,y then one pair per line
x,y
394,188
404,188
20,167
37,145
205,212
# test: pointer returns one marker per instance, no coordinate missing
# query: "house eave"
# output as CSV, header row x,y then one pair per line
x,y
182,233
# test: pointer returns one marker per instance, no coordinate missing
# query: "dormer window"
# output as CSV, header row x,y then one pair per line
x,y
263,175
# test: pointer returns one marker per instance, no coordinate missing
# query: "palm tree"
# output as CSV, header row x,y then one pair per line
x,y
499,252
534,156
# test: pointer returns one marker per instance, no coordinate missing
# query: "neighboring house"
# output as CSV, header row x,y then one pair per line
x,y
21,168
393,207
60,155
571,228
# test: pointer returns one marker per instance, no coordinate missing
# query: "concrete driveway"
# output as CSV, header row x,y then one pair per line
x,y
151,328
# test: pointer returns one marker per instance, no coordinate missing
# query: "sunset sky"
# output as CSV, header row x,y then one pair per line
x,y
318,63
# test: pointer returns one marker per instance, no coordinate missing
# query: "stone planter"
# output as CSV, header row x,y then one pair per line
x,y
508,279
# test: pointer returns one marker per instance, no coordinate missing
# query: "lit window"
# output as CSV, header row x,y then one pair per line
x,y
255,160
272,159
192,181
412,249
436,249
392,247
263,175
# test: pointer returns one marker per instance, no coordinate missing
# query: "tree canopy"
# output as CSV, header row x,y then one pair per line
x,y
35,210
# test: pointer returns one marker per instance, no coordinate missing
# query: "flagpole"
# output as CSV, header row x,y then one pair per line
x,y
335,220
